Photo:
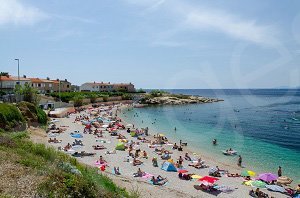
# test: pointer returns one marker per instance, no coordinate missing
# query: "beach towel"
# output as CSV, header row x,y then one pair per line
x,y
76,136
97,163
147,176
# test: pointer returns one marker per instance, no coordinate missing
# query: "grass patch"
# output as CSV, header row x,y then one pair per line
x,y
62,175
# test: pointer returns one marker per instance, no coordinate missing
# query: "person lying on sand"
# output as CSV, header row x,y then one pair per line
x,y
111,152
136,162
155,181
67,147
166,156
139,173
233,175
99,147
199,164
54,140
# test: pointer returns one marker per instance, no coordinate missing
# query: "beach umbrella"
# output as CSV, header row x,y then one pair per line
x,y
161,135
276,188
284,180
196,176
268,177
246,173
208,179
258,184
182,171
129,125
248,183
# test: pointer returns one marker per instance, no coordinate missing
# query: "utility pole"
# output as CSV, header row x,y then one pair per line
x,y
18,70
59,93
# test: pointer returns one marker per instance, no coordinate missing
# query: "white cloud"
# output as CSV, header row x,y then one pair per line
x,y
197,17
229,24
14,12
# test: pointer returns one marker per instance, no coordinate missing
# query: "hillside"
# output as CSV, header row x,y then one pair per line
x,y
28,170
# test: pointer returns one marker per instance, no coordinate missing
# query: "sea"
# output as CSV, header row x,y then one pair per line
x,y
262,125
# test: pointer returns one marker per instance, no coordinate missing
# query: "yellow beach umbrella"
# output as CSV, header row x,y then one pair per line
x,y
196,176
161,135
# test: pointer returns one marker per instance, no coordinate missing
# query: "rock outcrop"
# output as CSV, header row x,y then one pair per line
x,y
173,100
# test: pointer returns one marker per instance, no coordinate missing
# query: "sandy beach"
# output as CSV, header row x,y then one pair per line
x,y
175,187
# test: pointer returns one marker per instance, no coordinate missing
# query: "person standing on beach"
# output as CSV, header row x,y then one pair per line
x,y
240,161
175,129
279,171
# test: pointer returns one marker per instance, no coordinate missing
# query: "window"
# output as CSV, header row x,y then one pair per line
x,y
39,85
50,85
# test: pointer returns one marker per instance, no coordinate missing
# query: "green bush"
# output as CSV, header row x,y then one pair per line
x,y
10,116
32,113
42,116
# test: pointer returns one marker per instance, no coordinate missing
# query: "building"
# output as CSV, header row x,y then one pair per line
x,y
65,85
106,87
124,87
42,85
8,83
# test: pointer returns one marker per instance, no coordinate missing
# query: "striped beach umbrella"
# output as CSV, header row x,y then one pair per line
x,y
246,173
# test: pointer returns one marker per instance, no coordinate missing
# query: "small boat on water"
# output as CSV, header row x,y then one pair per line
x,y
229,152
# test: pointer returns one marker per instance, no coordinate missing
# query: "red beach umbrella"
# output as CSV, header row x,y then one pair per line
x,y
208,179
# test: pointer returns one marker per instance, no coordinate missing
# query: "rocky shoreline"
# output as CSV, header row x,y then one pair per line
x,y
178,100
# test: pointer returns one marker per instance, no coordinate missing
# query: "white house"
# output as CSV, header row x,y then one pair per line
x,y
96,87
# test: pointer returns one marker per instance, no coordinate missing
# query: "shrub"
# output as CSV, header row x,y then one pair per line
x,y
10,117
42,116
32,113
78,101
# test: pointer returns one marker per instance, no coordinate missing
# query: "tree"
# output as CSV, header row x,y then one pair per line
x,y
30,94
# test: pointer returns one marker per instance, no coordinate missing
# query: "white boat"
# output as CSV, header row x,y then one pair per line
x,y
232,152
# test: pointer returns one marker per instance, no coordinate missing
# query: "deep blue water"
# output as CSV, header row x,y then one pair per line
x,y
262,124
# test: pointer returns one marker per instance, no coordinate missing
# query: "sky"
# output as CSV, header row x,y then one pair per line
x,y
154,43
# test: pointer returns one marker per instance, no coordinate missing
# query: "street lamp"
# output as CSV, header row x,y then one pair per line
x,y
18,70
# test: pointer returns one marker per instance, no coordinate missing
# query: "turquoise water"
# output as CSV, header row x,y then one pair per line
x,y
262,126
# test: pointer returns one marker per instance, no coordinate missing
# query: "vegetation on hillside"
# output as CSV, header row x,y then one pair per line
x,y
10,117
32,113
14,117
72,96
53,173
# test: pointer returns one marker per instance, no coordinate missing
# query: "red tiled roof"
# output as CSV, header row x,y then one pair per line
x,y
13,78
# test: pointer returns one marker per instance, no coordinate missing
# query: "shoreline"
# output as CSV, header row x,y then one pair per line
x,y
174,188
190,149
